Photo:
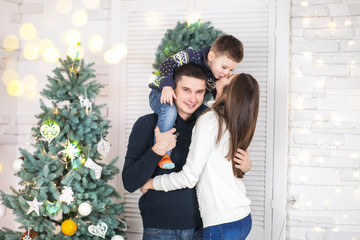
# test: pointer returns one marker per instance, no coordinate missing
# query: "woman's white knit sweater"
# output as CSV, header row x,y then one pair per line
x,y
222,196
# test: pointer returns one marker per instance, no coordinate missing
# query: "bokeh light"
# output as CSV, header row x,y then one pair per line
x,y
76,52
79,18
15,88
114,55
72,37
0,167
30,93
9,75
28,31
152,18
51,55
31,52
63,6
29,81
96,43
11,42
91,4
44,44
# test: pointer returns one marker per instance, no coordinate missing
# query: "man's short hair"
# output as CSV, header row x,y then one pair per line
x,y
229,46
190,70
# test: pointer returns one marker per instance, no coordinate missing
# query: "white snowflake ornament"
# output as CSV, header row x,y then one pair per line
x,y
103,147
85,103
66,195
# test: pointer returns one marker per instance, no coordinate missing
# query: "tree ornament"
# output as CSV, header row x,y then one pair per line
x,y
66,195
85,103
68,227
98,230
17,164
117,237
71,150
34,206
84,209
49,130
171,48
103,147
78,161
93,166
2,210
29,235
52,207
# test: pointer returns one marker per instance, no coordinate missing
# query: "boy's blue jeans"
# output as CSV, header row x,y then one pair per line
x,y
166,114
238,230
172,234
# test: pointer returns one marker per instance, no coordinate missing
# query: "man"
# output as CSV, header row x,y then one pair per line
x,y
168,215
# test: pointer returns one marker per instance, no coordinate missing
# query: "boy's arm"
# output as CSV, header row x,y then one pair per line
x,y
169,66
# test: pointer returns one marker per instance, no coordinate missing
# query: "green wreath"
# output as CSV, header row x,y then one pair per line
x,y
183,36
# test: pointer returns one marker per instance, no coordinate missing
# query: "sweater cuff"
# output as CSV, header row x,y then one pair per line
x,y
157,183
152,158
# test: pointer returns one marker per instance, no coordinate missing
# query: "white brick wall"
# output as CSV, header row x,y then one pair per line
x,y
324,121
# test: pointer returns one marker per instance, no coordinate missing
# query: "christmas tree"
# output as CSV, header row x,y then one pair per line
x,y
195,35
64,191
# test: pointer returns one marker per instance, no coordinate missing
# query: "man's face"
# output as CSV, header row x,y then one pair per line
x,y
190,93
220,66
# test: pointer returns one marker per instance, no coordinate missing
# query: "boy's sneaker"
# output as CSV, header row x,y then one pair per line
x,y
166,163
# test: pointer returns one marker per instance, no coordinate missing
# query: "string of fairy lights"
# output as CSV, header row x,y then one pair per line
x,y
324,122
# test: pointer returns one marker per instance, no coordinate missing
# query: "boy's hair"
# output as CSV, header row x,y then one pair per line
x,y
190,70
229,46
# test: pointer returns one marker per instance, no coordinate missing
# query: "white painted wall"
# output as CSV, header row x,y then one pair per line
x,y
324,110
324,120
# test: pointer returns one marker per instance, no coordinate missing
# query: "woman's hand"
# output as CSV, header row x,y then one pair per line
x,y
148,185
242,160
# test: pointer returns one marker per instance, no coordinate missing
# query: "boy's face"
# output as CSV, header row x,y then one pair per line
x,y
190,93
221,66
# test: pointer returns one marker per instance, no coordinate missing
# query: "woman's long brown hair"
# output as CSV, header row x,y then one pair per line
x,y
238,109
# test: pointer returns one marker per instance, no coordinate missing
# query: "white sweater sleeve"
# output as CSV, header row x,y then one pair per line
x,y
202,142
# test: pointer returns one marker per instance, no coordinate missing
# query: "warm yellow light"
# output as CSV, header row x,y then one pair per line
x,y
72,37
76,52
44,44
96,43
31,52
15,88
332,25
114,55
9,75
351,42
29,81
79,18
0,167
28,31
30,93
152,18
347,22
306,21
91,4
11,42
193,18
304,3
51,55
63,6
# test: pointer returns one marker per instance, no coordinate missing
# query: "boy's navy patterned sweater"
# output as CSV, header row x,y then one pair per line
x,y
166,210
169,66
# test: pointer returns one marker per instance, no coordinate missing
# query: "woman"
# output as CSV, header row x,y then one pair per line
x,y
228,125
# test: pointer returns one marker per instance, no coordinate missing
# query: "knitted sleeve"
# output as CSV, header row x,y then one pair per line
x,y
202,142
140,160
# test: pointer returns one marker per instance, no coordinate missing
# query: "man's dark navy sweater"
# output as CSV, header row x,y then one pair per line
x,y
166,210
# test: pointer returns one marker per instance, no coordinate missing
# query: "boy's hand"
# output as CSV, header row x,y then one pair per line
x,y
242,160
164,141
167,95
148,185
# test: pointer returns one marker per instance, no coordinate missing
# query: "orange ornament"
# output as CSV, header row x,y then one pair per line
x,y
68,227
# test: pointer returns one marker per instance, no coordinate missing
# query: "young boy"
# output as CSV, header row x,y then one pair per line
x,y
219,60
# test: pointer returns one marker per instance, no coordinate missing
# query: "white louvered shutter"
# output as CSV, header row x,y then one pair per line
x,y
249,21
